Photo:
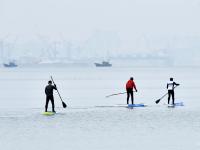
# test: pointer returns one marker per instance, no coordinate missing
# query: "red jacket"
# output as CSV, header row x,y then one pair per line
x,y
130,84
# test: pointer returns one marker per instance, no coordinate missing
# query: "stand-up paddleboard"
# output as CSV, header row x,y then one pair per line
x,y
176,104
48,113
136,105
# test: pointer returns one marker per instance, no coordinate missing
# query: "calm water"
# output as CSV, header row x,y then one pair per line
x,y
92,121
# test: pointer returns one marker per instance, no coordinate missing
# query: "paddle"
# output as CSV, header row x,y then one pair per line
x,y
157,101
115,94
63,103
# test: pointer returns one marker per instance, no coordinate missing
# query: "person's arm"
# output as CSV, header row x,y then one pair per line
x,y
46,90
135,86
54,87
176,84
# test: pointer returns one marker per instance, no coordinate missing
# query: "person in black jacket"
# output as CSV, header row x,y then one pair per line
x,y
49,95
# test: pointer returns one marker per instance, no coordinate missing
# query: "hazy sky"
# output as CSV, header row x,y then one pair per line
x,y
78,19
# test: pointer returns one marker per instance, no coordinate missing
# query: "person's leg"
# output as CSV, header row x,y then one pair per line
x,y
173,97
128,95
169,96
52,102
132,98
47,102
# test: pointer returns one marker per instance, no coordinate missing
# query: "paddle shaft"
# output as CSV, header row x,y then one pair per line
x,y
117,94
56,89
165,95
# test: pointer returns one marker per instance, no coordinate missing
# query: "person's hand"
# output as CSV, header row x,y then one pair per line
x,y
136,90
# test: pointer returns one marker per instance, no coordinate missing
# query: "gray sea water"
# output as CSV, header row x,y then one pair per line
x,y
93,122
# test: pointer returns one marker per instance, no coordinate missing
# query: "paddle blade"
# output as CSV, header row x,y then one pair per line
x,y
64,105
157,101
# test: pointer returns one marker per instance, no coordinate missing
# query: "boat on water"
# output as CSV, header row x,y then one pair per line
x,y
103,64
10,64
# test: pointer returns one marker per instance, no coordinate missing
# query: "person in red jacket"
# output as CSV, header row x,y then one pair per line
x,y
129,89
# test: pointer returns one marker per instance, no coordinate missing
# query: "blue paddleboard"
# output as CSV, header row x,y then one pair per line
x,y
136,105
176,104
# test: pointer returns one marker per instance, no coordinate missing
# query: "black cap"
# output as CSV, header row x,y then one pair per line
x,y
131,78
171,79
49,82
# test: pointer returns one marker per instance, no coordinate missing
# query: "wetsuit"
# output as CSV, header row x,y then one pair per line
x,y
129,89
49,96
170,86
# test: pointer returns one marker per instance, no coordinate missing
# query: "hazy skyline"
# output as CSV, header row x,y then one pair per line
x,y
78,19
101,25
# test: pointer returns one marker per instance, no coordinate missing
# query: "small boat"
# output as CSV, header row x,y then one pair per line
x,y
10,64
103,64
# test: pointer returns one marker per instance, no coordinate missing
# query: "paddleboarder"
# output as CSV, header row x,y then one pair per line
x,y
129,89
49,95
170,87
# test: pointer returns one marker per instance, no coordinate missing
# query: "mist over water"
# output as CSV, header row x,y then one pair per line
x,y
74,31
151,40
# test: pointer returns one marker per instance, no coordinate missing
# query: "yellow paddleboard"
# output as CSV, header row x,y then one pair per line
x,y
48,113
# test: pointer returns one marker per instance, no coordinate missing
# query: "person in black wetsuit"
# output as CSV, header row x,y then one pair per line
x,y
49,95
170,86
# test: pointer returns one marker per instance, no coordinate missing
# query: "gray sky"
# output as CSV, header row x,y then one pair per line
x,y
78,19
